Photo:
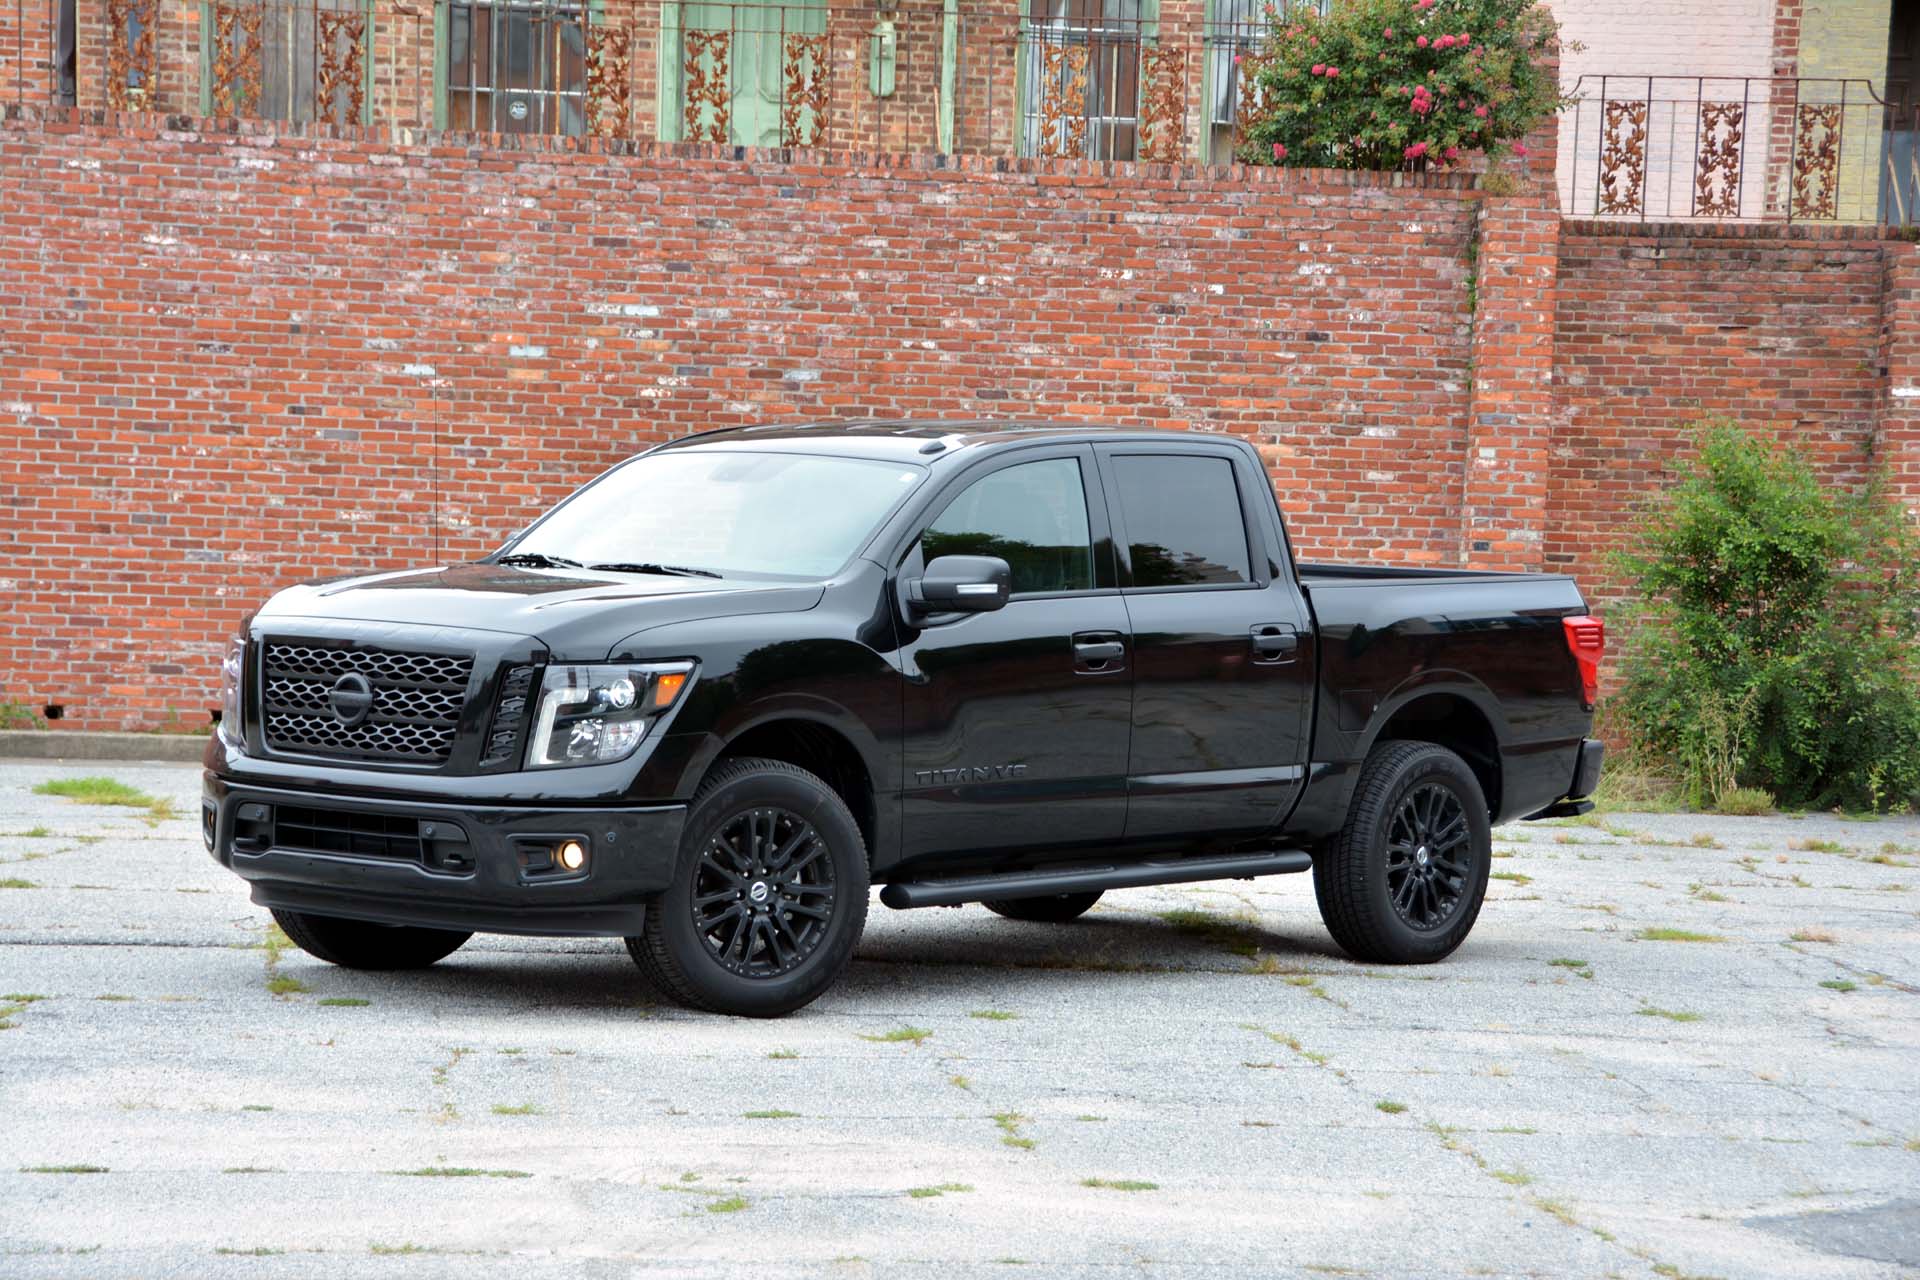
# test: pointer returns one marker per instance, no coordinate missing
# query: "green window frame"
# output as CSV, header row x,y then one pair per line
x,y
756,35
289,76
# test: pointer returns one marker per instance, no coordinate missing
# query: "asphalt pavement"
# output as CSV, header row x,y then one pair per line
x,y
1675,1046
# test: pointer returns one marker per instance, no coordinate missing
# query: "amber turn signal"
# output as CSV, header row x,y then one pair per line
x,y
666,687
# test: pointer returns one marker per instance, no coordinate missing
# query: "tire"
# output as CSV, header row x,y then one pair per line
x,y
1384,902
356,944
768,827
1056,908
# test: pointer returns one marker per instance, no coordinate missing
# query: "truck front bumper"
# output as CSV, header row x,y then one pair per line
x,y
481,867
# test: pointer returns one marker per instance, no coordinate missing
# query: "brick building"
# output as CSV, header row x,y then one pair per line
x,y
273,309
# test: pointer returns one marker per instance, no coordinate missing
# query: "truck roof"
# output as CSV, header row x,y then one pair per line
x,y
919,440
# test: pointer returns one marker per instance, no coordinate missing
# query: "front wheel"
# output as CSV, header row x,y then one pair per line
x,y
769,894
1403,881
355,944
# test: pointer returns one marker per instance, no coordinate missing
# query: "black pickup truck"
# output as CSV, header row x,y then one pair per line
x,y
710,698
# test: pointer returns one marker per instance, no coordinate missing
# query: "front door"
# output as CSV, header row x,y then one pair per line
x,y
747,69
1016,722
1223,648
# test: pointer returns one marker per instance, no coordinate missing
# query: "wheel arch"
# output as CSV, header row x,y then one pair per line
x,y
820,747
1458,714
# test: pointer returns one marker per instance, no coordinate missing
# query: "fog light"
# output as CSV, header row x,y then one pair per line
x,y
572,855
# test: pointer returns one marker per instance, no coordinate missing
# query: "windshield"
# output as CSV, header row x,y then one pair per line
x,y
737,515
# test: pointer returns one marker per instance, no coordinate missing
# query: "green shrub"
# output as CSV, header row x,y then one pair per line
x,y
1741,802
1382,84
1776,641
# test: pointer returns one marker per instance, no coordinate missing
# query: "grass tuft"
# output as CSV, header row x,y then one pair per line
x,y
1119,1184
106,791
15,882
518,1109
64,1168
928,1193
1744,802
732,1204
457,1171
1671,1015
1840,984
1391,1108
340,1002
1676,935
282,985
772,1114
900,1035
993,1015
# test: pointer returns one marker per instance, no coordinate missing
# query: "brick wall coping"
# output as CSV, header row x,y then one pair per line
x,y
1706,231
149,126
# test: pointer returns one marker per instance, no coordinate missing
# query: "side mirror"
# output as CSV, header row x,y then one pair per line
x,y
961,584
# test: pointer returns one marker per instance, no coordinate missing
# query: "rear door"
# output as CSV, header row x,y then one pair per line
x,y
1016,722
1222,642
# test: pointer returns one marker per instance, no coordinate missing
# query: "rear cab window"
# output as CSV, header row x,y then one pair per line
x,y
1184,522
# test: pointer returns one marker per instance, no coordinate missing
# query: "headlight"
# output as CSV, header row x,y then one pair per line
x,y
231,667
594,714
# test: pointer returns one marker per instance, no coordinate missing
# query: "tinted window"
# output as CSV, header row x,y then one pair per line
x,y
1033,516
1183,520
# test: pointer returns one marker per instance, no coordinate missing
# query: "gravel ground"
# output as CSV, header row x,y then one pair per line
x,y
1569,1095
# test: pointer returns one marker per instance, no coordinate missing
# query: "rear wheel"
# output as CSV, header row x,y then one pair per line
x,y
1057,908
1403,882
769,894
356,944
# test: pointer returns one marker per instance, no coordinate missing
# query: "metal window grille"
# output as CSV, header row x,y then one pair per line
x,y
517,66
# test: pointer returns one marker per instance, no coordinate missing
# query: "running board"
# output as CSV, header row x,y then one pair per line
x,y
1044,884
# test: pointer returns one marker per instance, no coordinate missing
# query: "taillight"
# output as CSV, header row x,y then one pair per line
x,y
1586,641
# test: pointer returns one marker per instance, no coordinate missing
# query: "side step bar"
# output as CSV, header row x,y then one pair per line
x,y
1041,884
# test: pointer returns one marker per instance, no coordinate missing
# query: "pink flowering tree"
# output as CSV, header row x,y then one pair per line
x,y
1387,84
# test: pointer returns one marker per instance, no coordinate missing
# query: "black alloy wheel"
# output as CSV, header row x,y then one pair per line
x,y
1403,881
763,893
768,895
1429,857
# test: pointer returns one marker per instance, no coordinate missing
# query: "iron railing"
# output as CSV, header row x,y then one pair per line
x,y
1737,149
907,76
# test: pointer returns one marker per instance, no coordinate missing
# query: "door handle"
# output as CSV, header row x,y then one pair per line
x,y
1275,642
1099,652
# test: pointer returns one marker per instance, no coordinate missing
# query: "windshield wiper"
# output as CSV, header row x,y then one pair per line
x,y
538,560
672,570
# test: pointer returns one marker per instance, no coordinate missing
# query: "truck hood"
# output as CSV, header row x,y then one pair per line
x,y
579,615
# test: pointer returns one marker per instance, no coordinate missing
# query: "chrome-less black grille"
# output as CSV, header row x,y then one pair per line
x,y
362,704
364,835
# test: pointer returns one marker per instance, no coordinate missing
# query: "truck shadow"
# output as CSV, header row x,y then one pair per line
x,y
934,953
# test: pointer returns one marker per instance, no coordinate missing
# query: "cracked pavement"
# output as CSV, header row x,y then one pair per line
x,y
1572,1094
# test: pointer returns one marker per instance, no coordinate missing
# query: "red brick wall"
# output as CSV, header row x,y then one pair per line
x,y
1780,328
229,362
232,361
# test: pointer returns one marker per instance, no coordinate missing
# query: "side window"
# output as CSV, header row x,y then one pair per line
x,y
1033,516
1183,519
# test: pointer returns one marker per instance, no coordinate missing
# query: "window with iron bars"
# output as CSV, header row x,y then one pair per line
x,y
1080,76
294,60
513,66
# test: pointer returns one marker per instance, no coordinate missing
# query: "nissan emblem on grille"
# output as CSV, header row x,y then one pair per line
x,y
360,703
351,698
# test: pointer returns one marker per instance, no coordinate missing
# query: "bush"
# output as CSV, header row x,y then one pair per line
x,y
1776,642
1381,84
1744,802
